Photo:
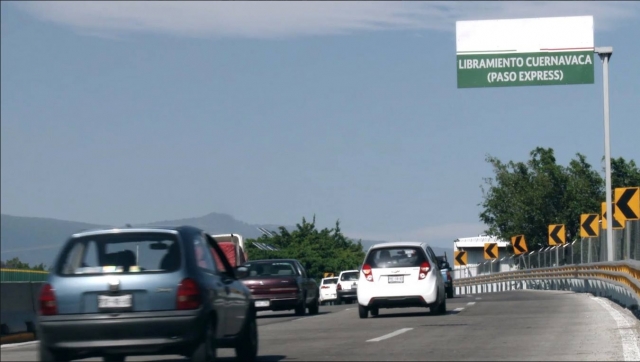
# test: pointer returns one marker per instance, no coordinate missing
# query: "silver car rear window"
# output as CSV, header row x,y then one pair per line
x,y
121,253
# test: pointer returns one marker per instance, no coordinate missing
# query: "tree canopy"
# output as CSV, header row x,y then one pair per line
x,y
16,263
319,251
526,197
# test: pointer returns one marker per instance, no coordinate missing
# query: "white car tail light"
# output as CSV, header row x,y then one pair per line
x,y
366,269
425,267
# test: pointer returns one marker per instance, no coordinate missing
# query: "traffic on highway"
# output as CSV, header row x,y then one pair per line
x,y
171,293
474,328
155,157
115,293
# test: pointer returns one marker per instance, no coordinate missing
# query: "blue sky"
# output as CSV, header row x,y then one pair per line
x,y
116,112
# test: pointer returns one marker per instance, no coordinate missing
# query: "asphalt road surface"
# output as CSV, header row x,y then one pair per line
x,y
517,325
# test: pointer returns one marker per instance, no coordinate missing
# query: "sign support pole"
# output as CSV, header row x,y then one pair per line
x,y
605,55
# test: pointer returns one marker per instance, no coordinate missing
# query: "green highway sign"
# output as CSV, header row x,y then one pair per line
x,y
525,69
525,52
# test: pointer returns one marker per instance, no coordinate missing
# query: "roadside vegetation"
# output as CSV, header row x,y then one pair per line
x,y
15,263
526,197
319,251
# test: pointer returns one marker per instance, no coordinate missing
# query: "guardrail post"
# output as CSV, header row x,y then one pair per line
x,y
603,255
627,241
636,244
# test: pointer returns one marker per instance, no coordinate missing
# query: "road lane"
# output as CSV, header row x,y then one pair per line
x,y
519,325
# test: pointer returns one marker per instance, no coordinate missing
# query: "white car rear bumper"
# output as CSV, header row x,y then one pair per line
x,y
424,294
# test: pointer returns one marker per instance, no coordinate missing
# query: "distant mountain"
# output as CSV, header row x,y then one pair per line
x,y
38,240
217,223
35,240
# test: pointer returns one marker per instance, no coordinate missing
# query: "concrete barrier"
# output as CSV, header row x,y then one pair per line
x,y
18,303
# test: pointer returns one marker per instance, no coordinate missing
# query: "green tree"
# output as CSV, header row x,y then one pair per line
x,y
585,192
16,263
41,267
319,251
623,173
524,198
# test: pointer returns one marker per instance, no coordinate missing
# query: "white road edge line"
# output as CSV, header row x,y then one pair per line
x,y
392,334
628,336
471,303
16,345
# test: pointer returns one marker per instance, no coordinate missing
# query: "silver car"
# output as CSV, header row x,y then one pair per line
x,y
144,291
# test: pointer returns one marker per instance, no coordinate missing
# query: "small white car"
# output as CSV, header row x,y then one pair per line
x,y
347,286
399,275
328,290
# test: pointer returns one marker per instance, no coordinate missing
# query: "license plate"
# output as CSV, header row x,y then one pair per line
x,y
396,279
262,303
120,301
355,286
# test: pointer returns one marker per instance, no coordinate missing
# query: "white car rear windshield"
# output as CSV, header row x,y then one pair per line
x,y
330,281
350,276
395,257
122,253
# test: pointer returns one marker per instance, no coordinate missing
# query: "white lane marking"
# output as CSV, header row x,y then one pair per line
x,y
14,345
349,309
392,334
458,309
309,317
628,336
471,303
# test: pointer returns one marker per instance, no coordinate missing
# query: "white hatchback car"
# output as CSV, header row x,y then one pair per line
x,y
400,274
328,290
347,286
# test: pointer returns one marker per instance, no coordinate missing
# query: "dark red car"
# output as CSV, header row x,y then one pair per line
x,y
280,284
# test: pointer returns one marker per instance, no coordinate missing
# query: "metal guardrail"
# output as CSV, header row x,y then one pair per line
x,y
612,277
22,275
